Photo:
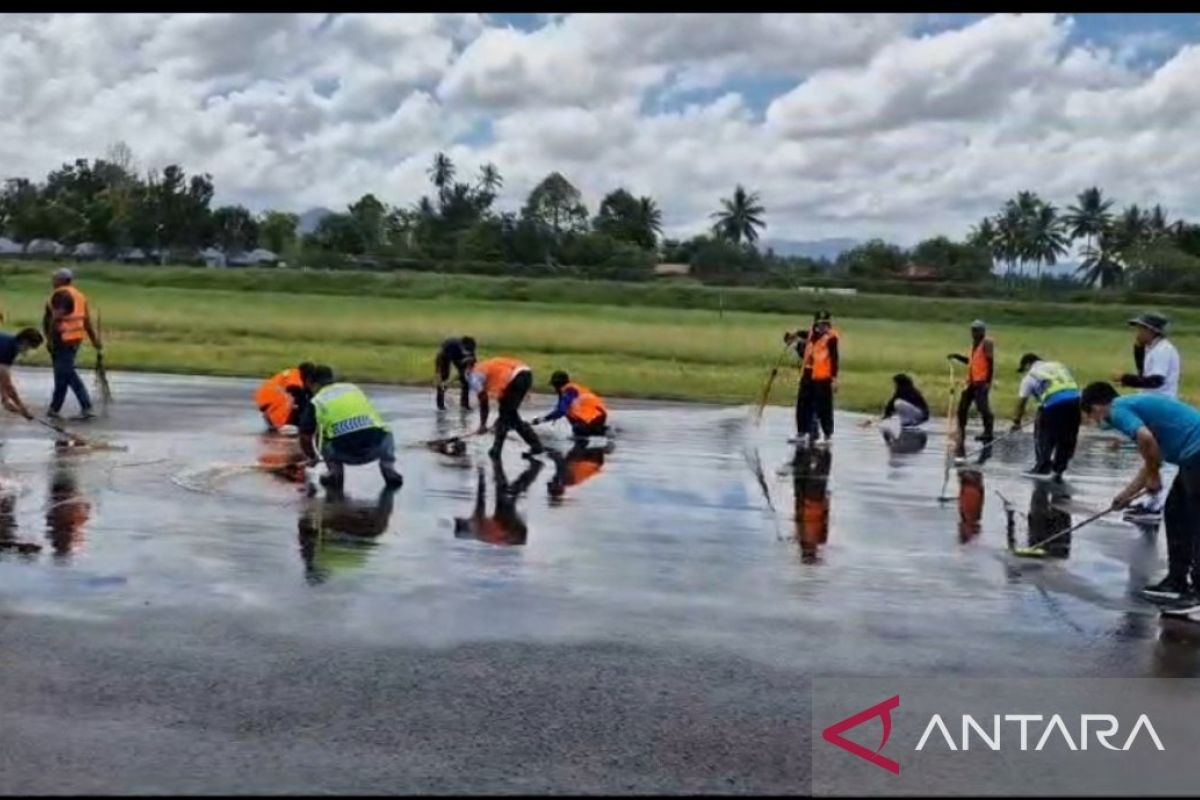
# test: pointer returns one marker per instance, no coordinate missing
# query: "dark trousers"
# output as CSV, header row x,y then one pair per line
x,y
1182,518
65,376
814,403
1056,432
598,427
510,419
976,393
443,364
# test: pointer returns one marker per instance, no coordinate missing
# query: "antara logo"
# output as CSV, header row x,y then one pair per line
x,y
1103,727
1111,726
833,734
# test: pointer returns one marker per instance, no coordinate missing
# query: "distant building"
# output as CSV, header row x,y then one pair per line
x,y
10,248
133,255
919,272
259,257
672,269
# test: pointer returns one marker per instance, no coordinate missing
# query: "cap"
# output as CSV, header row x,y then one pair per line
x,y
978,325
559,378
64,274
1028,360
1154,322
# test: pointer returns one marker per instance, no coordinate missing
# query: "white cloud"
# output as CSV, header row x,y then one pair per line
x,y
879,130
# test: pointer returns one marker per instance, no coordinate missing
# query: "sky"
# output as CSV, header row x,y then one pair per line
x,y
857,125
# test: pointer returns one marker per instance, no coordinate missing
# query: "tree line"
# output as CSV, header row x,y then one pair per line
x,y
455,225
1134,246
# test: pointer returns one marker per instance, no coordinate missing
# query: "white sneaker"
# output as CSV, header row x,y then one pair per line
x,y
1142,514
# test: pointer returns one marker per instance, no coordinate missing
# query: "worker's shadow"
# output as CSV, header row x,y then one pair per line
x,y
505,525
810,497
337,533
573,468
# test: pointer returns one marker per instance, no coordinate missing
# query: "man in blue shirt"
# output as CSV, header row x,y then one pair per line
x,y
11,347
1166,430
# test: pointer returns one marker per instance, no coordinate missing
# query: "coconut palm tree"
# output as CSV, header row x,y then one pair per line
x,y
1089,217
1011,236
983,234
441,173
649,218
740,217
1047,237
490,179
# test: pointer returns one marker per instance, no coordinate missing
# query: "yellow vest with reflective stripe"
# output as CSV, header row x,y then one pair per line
x,y
1052,379
342,408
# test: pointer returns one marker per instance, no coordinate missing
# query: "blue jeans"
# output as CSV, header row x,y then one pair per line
x,y
65,376
384,452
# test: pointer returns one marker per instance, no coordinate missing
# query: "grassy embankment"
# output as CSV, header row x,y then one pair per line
x,y
653,340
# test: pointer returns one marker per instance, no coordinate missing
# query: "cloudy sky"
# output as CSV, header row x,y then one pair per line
x,y
849,125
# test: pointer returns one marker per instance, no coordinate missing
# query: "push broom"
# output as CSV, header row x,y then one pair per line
x,y
1039,550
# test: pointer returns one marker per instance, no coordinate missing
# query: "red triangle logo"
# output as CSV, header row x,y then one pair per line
x,y
833,734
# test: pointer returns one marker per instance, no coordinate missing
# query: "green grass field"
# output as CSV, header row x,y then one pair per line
x,y
154,321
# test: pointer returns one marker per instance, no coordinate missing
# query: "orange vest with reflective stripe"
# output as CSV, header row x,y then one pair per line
x,y
587,407
978,367
816,356
498,373
274,388
71,329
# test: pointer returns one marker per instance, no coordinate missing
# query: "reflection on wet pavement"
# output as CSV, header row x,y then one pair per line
x,y
663,538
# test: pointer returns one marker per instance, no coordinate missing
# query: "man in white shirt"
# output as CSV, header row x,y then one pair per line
x,y
1158,370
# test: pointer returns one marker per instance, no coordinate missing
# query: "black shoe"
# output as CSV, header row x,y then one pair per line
x,y
85,415
986,438
494,452
330,482
393,479
1169,589
52,414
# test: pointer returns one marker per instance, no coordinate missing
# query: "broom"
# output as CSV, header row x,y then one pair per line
x,y
102,386
1039,550
765,393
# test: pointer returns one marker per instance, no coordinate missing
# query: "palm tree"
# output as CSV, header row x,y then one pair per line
x,y
489,178
740,217
1010,236
1089,217
1099,268
983,234
649,219
1047,238
441,173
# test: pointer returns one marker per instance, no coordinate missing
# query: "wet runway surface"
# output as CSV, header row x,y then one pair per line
x,y
625,619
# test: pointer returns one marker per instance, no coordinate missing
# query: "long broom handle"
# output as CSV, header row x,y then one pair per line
x,y
1087,521
64,432
993,442
765,393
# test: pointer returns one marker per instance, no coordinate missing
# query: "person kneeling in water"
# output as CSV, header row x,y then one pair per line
x,y
343,426
582,407
907,403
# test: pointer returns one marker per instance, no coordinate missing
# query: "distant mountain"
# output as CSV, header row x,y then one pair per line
x,y
310,219
817,248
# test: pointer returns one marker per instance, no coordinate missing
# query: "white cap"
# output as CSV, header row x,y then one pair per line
x,y
64,274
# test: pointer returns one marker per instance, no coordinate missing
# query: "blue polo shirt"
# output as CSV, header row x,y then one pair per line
x,y
1175,424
